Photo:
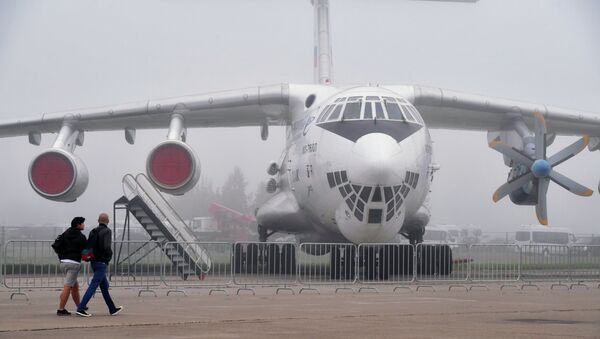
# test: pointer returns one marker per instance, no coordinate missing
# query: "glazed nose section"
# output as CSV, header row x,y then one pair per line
x,y
377,157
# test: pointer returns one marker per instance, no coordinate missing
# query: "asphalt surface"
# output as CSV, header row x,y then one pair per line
x,y
493,313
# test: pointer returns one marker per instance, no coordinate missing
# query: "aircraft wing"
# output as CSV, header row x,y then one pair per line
x,y
442,108
253,106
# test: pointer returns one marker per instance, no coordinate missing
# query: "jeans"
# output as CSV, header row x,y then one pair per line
x,y
99,279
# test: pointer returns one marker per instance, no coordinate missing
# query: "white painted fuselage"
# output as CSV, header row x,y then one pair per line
x,y
357,174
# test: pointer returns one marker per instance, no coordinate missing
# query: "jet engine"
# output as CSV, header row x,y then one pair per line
x,y
58,175
172,167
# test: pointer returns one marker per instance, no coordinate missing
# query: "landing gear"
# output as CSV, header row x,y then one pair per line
x,y
264,258
342,263
382,262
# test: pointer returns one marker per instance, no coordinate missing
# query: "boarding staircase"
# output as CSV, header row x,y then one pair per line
x,y
165,227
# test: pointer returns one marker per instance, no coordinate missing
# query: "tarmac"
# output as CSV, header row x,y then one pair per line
x,y
427,313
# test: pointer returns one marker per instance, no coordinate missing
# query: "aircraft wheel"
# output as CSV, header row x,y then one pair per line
x,y
349,262
288,259
238,257
426,260
334,262
444,259
273,259
405,258
386,261
369,263
252,258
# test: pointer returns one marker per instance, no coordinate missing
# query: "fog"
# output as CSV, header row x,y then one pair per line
x,y
67,54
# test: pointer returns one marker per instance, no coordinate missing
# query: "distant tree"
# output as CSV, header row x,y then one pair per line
x,y
195,203
233,192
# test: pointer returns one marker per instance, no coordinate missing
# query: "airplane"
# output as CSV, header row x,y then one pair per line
x,y
357,164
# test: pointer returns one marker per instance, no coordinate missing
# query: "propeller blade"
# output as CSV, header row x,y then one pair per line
x,y
540,135
570,185
569,151
512,186
512,153
541,209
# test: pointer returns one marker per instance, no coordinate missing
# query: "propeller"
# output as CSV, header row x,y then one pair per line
x,y
540,168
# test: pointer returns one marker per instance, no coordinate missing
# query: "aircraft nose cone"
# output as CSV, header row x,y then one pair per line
x,y
541,168
377,158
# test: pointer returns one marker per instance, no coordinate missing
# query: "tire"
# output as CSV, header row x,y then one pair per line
x,y
426,260
272,259
252,252
387,263
334,263
238,257
369,263
444,259
349,262
405,258
288,259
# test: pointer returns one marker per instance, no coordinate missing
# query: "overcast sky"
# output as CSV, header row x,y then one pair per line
x,y
58,55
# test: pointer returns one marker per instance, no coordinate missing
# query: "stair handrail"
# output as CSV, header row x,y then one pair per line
x,y
142,187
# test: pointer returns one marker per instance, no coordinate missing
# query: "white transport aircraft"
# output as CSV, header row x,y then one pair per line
x,y
357,164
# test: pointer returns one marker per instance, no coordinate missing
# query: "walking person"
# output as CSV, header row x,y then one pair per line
x,y
73,242
100,243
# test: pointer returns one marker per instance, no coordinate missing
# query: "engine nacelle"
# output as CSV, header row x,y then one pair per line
x,y
58,175
172,167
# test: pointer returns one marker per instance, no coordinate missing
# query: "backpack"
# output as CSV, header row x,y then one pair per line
x,y
88,253
59,244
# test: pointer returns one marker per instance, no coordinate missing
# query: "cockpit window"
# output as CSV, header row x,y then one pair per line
x,y
352,110
370,107
393,110
379,111
408,114
368,111
336,112
326,111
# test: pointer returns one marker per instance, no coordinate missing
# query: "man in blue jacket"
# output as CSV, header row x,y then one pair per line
x,y
70,263
100,242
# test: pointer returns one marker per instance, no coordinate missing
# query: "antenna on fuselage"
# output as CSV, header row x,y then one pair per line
x,y
323,65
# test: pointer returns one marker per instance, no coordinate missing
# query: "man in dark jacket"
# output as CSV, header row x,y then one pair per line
x,y
100,241
70,263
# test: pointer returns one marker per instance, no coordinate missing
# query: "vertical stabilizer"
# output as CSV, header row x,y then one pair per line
x,y
322,52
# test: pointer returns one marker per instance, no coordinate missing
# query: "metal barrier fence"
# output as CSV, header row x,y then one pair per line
x,y
326,264
442,263
182,271
494,263
264,264
32,264
136,264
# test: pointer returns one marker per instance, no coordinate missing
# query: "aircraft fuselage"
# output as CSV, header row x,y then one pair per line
x,y
356,168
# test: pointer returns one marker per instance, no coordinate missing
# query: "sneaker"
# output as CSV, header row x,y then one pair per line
x,y
117,310
83,313
62,312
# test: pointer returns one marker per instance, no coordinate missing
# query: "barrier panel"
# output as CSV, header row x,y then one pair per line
x,y
327,264
442,263
385,263
136,264
264,264
180,270
545,263
31,264
585,262
494,263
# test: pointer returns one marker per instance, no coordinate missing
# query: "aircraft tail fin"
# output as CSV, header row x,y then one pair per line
x,y
323,65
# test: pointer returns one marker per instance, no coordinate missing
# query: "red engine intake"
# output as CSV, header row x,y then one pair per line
x,y
172,167
58,175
